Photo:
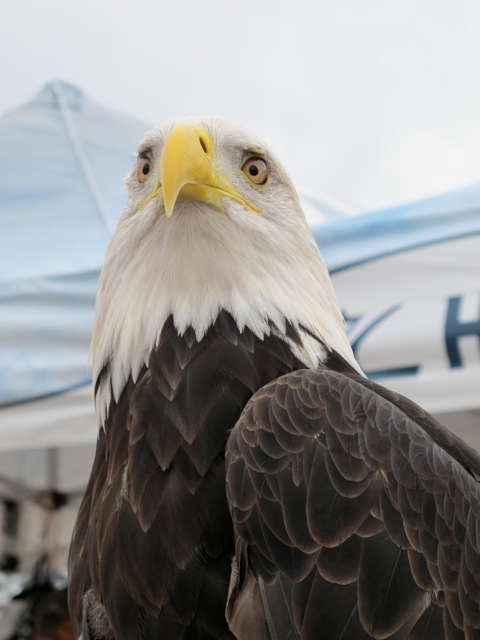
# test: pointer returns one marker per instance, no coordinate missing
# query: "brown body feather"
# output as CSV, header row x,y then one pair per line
x,y
355,514
153,542
358,514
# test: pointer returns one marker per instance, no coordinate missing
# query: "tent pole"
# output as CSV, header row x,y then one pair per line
x,y
52,468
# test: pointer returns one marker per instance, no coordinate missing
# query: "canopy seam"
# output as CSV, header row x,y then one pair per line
x,y
80,155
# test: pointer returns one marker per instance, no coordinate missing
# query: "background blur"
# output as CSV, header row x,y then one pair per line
x,y
371,102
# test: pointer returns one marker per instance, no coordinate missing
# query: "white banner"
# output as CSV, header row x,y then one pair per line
x,y
414,322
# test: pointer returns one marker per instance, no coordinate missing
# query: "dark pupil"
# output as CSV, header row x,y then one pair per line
x,y
253,170
146,168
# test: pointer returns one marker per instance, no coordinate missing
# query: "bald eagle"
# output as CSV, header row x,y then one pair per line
x,y
249,482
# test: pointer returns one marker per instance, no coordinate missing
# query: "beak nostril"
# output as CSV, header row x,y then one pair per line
x,y
202,143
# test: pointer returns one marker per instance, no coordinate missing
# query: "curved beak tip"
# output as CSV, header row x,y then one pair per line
x,y
186,171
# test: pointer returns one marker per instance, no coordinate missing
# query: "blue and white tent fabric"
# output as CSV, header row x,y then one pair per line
x,y
407,279
63,159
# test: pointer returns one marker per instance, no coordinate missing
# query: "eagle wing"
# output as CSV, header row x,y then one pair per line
x,y
356,515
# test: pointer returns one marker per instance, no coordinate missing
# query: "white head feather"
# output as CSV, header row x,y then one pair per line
x,y
199,261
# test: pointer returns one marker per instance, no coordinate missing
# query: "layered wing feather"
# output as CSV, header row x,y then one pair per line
x,y
356,515
152,547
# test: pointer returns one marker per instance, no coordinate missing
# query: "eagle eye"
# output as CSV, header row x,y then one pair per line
x,y
143,169
256,170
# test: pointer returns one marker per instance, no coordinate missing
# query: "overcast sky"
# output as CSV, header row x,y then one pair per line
x,y
372,102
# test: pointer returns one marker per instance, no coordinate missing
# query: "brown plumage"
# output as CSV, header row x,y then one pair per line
x,y
169,546
249,482
358,513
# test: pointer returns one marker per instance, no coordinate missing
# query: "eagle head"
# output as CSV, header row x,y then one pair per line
x,y
212,223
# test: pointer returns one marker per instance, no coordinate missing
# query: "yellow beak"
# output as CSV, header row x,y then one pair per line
x,y
186,171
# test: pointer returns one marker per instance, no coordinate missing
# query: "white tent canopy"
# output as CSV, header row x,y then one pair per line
x,y
62,163
63,160
407,279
